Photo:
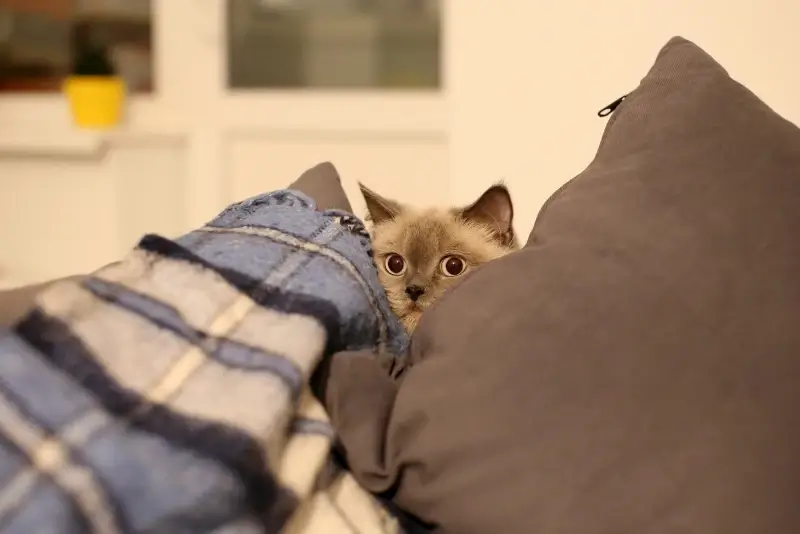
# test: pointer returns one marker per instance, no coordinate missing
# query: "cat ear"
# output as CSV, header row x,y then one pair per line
x,y
380,209
495,210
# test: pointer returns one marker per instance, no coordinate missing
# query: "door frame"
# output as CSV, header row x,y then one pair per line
x,y
218,115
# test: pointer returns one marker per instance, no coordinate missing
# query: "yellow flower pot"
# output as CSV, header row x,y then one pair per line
x,y
95,101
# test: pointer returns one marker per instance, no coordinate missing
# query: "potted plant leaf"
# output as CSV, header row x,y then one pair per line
x,y
95,92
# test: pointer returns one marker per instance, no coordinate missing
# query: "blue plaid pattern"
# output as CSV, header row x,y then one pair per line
x,y
168,393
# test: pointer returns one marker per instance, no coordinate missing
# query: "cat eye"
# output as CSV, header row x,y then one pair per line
x,y
453,265
395,264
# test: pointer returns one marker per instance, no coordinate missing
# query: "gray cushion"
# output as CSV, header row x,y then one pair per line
x,y
322,183
635,369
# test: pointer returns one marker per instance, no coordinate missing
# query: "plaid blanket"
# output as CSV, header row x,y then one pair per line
x,y
168,393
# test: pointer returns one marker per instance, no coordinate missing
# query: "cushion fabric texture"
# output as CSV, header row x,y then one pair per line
x,y
635,369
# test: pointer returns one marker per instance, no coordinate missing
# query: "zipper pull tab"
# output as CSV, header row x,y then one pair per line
x,y
609,109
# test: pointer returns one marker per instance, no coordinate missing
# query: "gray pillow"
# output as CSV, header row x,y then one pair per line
x,y
322,183
635,369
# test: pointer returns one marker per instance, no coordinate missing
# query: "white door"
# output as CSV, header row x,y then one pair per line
x,y
247,95
272,87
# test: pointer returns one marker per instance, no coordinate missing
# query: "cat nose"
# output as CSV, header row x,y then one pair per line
x,y
414,292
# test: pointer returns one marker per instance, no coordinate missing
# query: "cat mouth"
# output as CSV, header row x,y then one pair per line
x,y
412,313
416,307
411,310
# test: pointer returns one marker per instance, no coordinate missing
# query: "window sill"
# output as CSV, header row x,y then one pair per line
x,y
41,126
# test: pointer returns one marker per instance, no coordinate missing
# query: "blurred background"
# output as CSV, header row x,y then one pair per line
x,y
428,101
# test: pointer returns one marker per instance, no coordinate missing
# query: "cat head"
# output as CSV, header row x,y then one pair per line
x,y
420,253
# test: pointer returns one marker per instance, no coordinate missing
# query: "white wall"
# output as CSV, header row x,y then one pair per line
x,y
68,214
526,79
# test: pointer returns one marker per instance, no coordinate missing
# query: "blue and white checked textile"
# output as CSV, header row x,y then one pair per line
x,y
168,393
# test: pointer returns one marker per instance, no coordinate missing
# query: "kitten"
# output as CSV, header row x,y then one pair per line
x,y
419,253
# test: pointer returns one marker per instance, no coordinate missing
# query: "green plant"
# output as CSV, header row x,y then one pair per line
x,y
89,56
92,61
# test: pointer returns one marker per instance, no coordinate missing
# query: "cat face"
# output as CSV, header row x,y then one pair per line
x,y
420,253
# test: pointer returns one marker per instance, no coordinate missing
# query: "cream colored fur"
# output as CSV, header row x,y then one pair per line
x,y
424,238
